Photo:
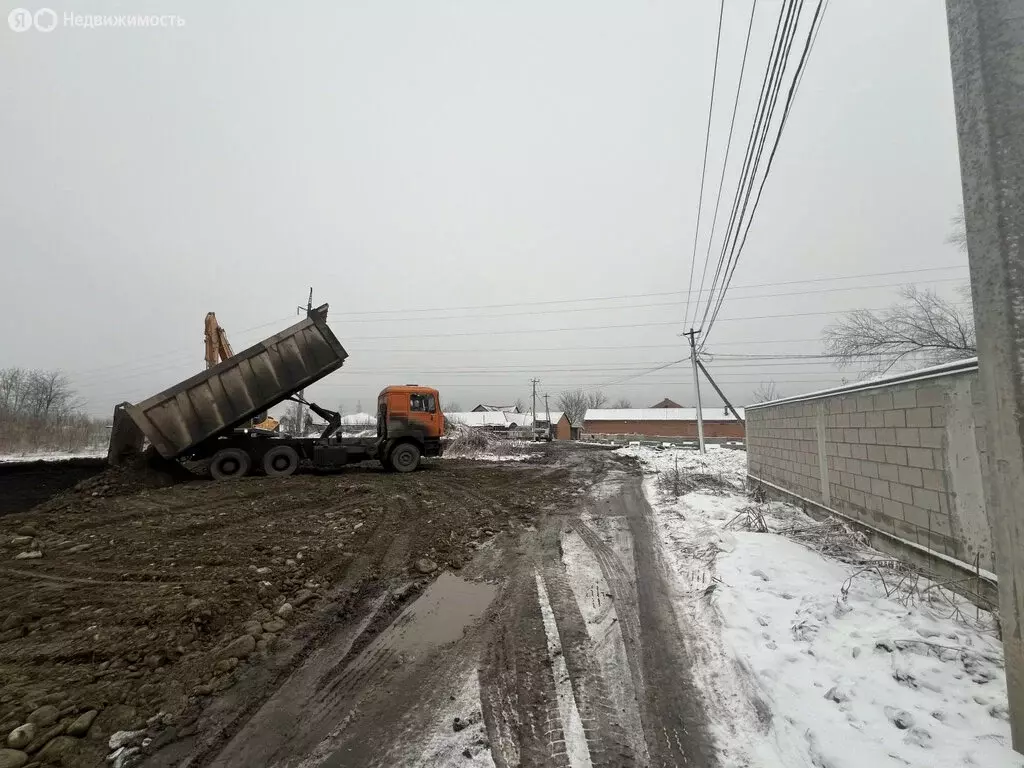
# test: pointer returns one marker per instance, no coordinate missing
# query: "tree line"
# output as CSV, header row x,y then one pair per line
x,y
39,412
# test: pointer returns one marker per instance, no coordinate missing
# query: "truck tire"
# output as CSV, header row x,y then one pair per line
x,y
229,463
280,461
405,457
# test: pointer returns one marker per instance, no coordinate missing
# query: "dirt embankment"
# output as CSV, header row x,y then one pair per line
x,y
23,484
141,603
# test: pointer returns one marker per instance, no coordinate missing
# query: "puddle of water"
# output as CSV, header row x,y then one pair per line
x,y
442,613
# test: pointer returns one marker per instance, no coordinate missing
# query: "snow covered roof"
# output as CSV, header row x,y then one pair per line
x,y
358,419
484,418
503,408
658,414
541,416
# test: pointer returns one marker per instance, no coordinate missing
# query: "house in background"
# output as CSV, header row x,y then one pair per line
x,y
505,421
358,425
503,408
494,421
559,423
666,403
662,422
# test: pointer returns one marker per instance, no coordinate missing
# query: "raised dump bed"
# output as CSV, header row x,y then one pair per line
x,y
219,399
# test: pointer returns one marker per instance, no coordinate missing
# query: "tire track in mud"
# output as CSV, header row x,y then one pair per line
x,y
609,747
520,704
624,596
671,710
675,725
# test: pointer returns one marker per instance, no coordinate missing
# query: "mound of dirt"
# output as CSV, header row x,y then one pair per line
x,y
146,471
143,606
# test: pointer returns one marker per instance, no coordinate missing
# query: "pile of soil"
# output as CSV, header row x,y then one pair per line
x,y
140,600
145,471
23,484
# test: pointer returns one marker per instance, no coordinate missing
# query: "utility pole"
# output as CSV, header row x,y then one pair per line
x,y
547,413
692,334
986,40
300,414
533,414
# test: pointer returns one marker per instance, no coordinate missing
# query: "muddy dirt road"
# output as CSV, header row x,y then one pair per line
x,y
469,614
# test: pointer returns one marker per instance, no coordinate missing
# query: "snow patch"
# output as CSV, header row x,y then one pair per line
x,y
803,665
96,453
447,748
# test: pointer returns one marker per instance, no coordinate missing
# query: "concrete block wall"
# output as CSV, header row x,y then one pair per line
x,y
901,457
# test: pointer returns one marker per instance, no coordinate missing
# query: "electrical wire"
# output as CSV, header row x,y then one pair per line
x,y
704,165
725,160
778,42
737,251
644,305
407,310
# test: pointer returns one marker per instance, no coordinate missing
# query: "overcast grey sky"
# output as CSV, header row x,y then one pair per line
x,y
418,155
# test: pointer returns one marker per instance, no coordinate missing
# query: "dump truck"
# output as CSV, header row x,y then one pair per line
x,y
206,417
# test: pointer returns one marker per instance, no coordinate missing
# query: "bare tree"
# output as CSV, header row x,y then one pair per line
x,y
519,405
925,329
289,422
958,235
50,394
597,399
450,407
766,392
38,411
574,404
622,402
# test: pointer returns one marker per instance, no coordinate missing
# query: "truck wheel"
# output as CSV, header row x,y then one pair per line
x,y
280,461
405,457
230,462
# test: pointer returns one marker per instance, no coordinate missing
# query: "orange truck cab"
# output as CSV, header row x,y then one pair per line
x,y
410,424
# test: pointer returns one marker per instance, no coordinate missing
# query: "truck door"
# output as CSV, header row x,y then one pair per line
x,y
425,414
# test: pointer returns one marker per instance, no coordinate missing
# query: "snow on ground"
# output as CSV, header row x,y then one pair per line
x,y
849,676
94,453
446,746
482,447
488,456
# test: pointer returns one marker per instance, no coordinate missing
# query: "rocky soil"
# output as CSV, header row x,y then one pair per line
x,y
131,602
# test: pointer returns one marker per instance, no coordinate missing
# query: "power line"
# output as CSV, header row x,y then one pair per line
x,y
645,305
778,41
407,310
704,165
160,364
725,160
737,251
613,327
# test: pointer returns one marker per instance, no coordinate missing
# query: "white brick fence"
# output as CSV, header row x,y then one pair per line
x,y
899,456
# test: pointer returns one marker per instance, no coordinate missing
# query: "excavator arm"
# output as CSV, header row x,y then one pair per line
x,y
218,349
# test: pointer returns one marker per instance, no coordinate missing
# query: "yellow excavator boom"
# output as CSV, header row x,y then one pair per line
x,y
218,349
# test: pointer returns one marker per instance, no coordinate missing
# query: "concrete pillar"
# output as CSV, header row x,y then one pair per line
x,y
986,41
